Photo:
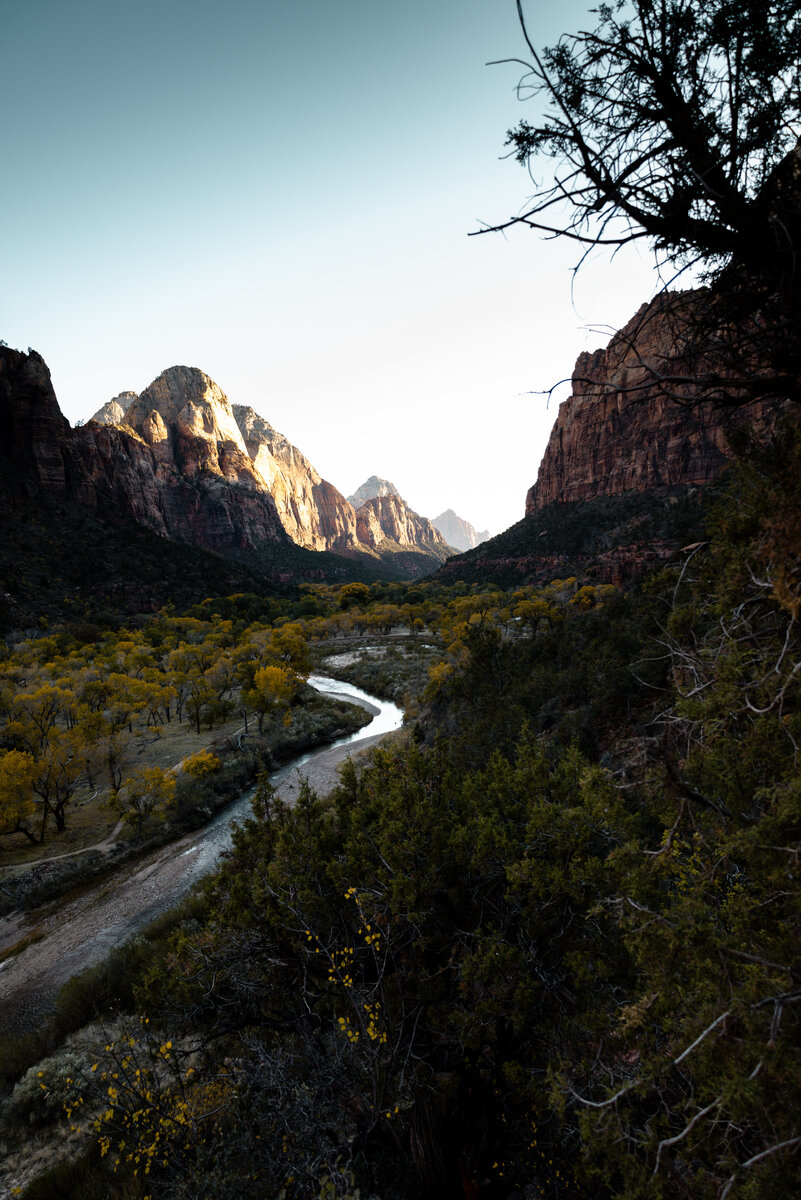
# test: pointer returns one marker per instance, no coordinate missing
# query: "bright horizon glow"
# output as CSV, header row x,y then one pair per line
x,y
281,196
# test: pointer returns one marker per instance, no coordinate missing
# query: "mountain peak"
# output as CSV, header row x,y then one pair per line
x,y
114,410
370,489
187,400
457,532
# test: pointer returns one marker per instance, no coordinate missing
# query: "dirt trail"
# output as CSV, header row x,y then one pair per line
x,y
71,935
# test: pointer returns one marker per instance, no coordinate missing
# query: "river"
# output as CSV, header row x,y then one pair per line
x,y
80,932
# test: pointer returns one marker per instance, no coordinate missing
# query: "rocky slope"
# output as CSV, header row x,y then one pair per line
x,y
389,518
457,532
385,523
633,422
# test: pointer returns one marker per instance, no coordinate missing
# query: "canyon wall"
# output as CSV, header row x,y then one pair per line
x,y
634,421
38,456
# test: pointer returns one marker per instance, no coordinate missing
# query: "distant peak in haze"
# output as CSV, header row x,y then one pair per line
x,y
370,489
457,532
115,409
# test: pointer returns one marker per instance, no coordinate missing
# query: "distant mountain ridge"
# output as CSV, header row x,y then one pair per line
x,y
457,532
254,485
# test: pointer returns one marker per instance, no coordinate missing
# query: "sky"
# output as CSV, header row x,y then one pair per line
x,y
281,195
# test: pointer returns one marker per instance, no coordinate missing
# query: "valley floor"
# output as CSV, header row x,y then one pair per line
x,y
64,937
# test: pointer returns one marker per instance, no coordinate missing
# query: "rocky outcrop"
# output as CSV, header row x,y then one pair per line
x,y
178,464
187,420
38,457
634,421
312,511
185,461
113,411
387,518
457,532
372,487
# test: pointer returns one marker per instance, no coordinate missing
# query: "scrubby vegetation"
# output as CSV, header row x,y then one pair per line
x,y
548,942
573,538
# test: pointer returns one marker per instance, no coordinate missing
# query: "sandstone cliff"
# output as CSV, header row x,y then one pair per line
x,y
633,422
38,457
179,465
312,511
387,518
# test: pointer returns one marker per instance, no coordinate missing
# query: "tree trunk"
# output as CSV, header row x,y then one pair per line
x,y
437,1167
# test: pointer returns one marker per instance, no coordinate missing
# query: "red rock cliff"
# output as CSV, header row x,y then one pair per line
x,y
178,464
38,457
631,423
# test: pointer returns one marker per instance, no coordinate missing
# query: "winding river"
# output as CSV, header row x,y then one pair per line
x,y
72,934
319,766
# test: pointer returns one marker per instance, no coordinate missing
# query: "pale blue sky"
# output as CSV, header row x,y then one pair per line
x,y
280,194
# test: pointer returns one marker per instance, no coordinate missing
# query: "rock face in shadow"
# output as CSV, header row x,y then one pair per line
x,y
38,456
633,422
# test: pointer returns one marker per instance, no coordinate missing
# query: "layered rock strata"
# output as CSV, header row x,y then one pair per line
x,y
634,421
389,518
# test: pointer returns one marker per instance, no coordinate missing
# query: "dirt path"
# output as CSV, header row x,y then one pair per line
x,y
78,933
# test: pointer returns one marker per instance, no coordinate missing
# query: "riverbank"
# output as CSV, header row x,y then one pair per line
x,y
320,720
48,945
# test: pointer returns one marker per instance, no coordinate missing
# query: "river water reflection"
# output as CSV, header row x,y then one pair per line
x,y
214,838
